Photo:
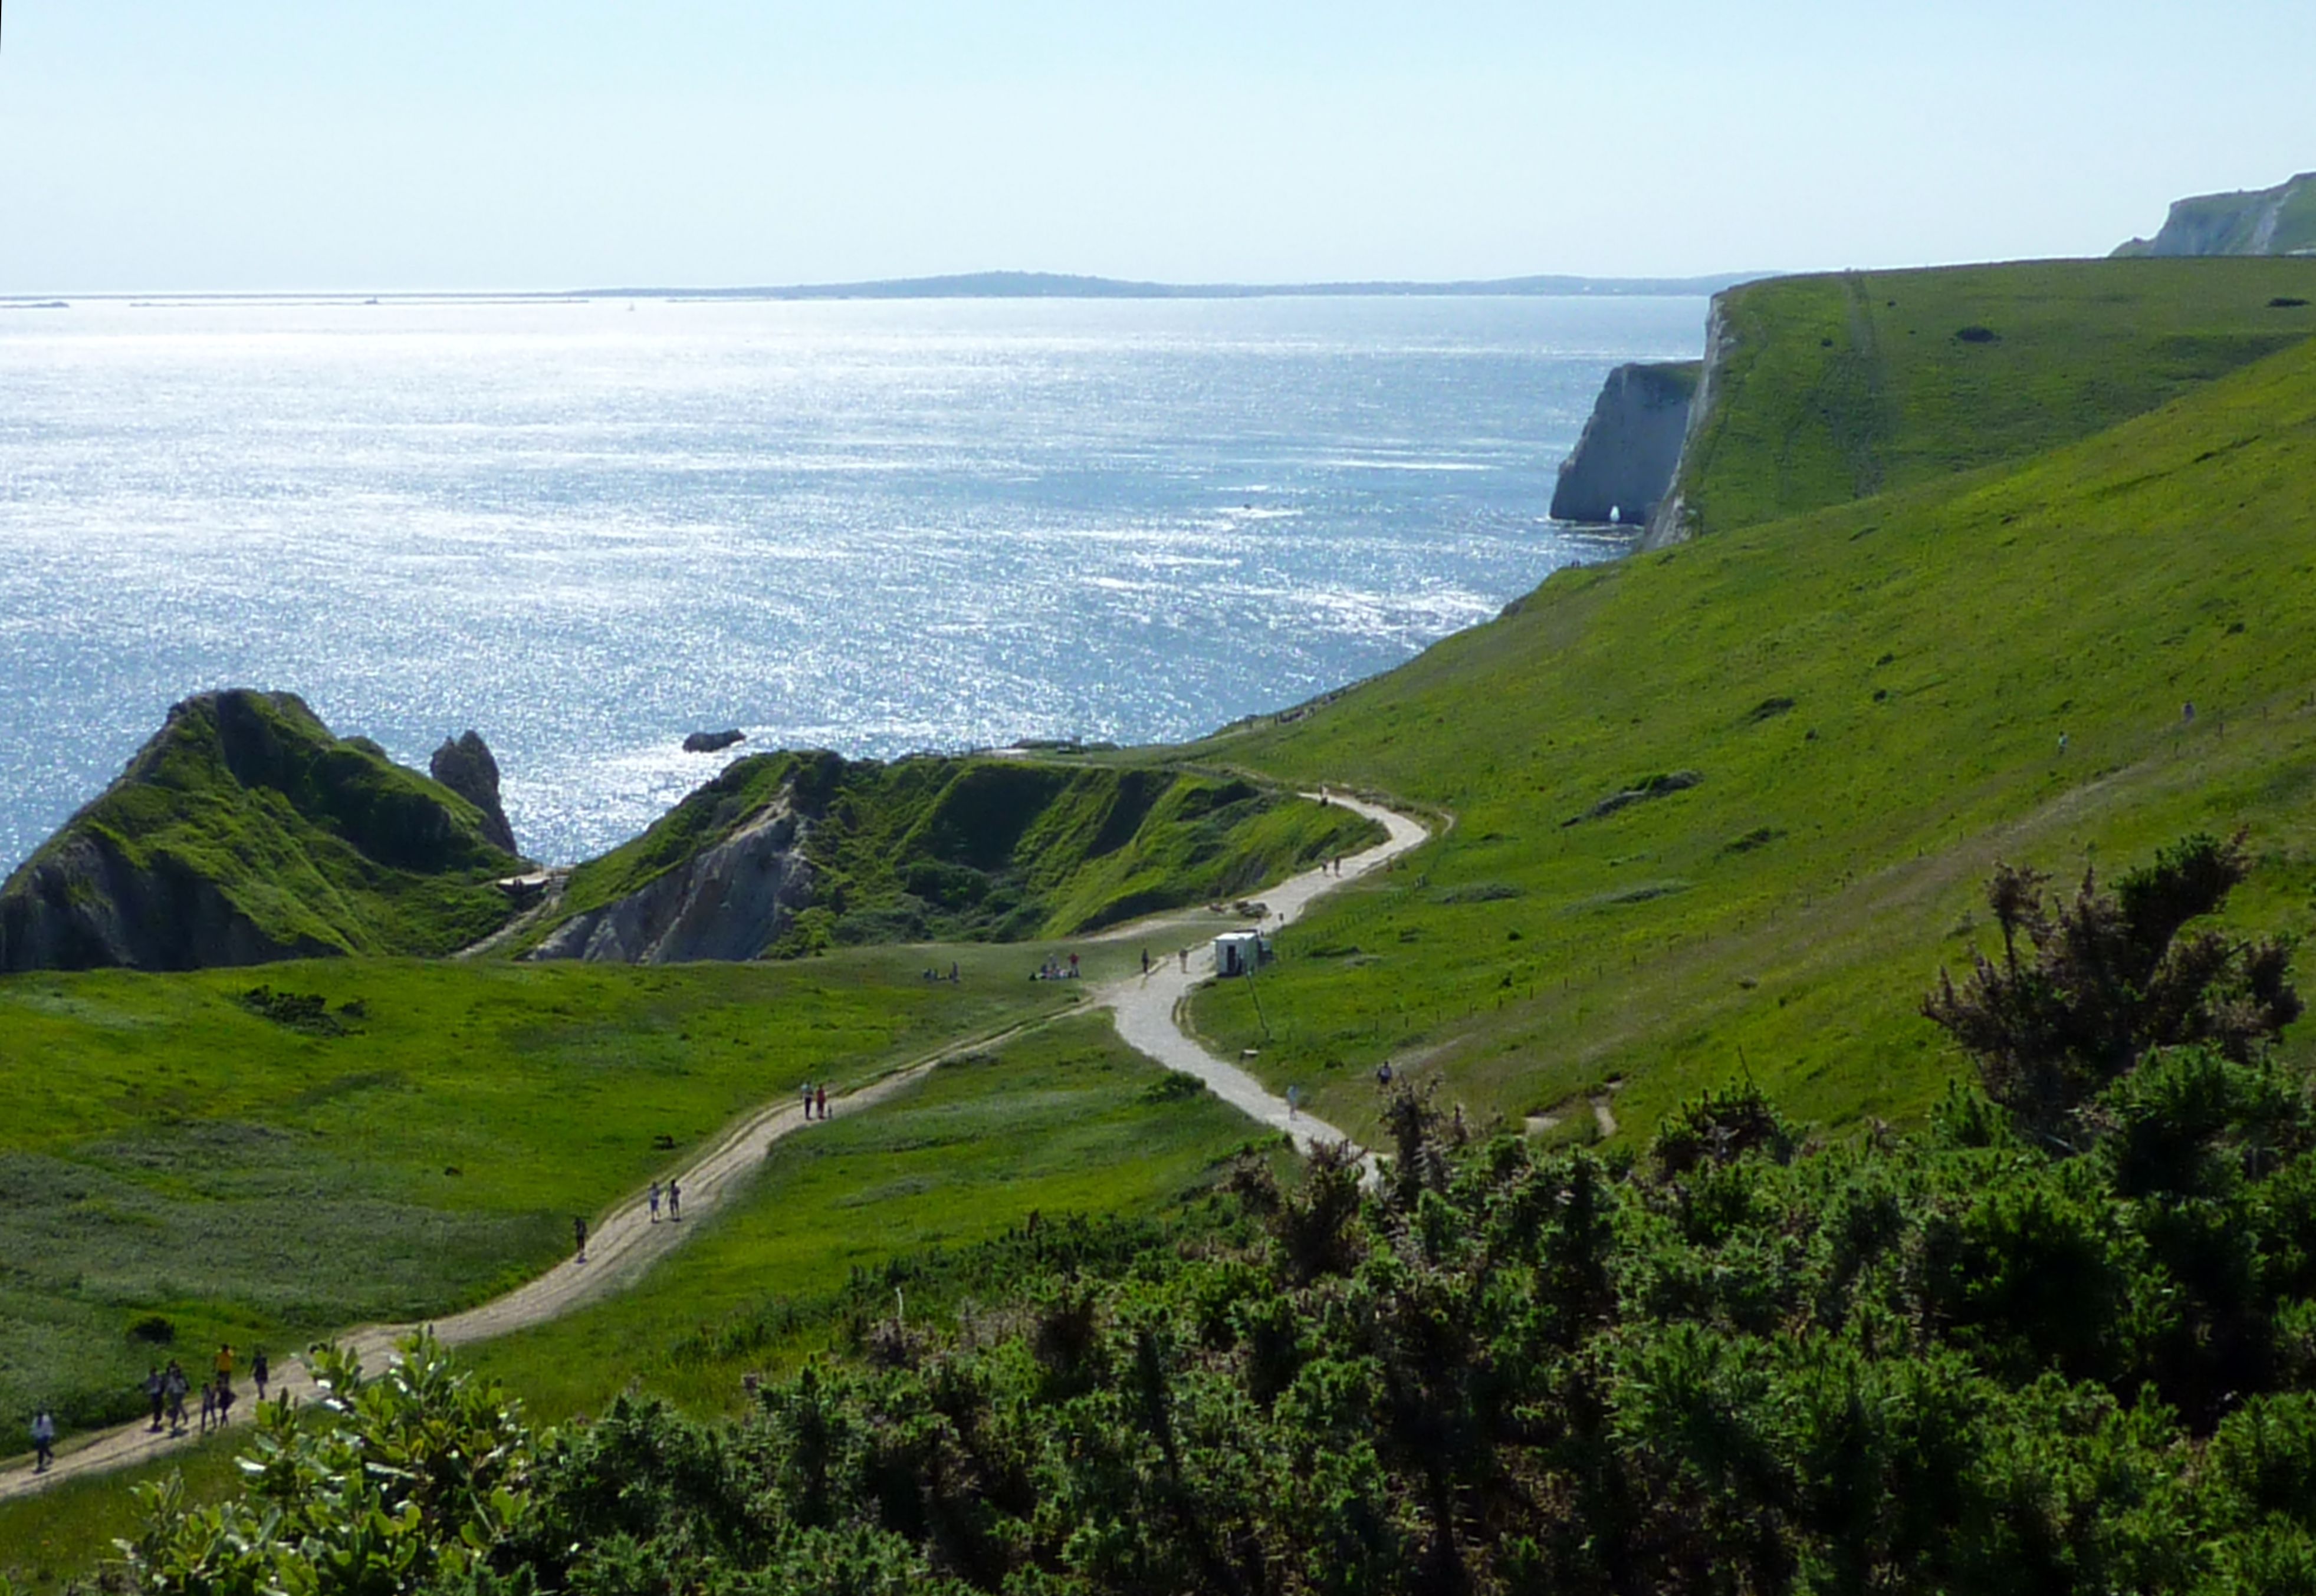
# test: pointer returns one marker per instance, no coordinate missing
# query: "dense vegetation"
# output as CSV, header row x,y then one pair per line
x,y
1984,1359
246,829
965,849
181,1164
1874,702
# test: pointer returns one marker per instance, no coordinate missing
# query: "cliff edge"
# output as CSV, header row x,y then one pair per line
x,y
2277,221
246,830
1624,460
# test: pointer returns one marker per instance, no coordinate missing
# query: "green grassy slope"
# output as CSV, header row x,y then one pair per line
x,y
166,1151
1872,699
1062,1122
1840,386
950,850
247,828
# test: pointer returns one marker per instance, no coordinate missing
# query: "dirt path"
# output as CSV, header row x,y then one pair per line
x,y
619,1249
1148,1007
626,1242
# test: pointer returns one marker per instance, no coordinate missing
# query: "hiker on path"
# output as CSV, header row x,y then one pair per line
x,y
579,1232
223,1366
44,1441
156,1392
173,1387
209,1405
655,1203
1383,1073
674,1200
1146,960
224,1400
258,1372
1185,956
807,1100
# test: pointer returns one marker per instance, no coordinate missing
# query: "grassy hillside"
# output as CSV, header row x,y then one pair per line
x,y
246,829
1062,1124
968,849
984,1171
419,1139
1870,702
1840,386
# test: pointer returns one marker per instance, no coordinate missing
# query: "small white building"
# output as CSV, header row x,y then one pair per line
x,y
1241,953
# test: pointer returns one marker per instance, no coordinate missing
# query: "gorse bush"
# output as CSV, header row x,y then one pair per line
x,y
1974,1359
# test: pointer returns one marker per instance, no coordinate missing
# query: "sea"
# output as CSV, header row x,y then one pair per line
x,y
587,527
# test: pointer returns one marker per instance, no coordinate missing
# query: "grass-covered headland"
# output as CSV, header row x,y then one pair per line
x,y
2047,1345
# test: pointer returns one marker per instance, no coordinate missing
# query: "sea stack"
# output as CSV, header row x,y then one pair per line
x,y
465,765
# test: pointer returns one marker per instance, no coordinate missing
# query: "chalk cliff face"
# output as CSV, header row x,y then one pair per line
x,y
465,765
1668,522
731,901
2277,221
246,831
1625,460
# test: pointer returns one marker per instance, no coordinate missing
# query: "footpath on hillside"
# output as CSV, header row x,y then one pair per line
x,y
1148,1007
625,1245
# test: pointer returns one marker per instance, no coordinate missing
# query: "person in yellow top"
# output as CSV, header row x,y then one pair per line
x,y
225,1363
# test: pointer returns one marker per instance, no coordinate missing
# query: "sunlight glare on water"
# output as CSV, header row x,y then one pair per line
x,y
585,529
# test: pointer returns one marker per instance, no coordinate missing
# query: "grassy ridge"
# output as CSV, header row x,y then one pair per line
x,y
1871,700
966,849
1840,386
247,828
166,1151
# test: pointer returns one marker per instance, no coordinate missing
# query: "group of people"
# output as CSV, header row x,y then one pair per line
x,y
1052,969
816,1101
934,974
674,1191
166,1389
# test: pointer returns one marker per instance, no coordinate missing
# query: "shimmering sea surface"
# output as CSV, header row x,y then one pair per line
x,y
586,529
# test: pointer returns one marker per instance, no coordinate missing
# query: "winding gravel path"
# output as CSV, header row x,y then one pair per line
x,y
627,1243
1148,1007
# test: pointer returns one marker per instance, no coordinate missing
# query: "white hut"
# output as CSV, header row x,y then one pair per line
x,y
1241,953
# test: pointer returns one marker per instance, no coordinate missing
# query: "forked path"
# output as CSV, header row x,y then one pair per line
x,y
627,1242
1148,1007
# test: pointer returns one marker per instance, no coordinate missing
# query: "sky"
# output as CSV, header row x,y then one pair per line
x,y
260,145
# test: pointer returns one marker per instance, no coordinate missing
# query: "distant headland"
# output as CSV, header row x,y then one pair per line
x,y
1056,285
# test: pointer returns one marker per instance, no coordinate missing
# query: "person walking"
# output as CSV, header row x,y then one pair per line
x,y
223,1366
807,1100
258,1372
820,1100
1146,960
44,1441
674,1198
156,1392
579,1234
209,1405
174,1387
1186,961
655,1203
224,1400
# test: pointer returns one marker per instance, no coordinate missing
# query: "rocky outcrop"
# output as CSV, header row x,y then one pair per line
x,y
465,765
713,742
246,830
731,901
1625,459
2277,221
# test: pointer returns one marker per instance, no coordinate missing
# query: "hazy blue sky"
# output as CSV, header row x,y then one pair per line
x,y
315,143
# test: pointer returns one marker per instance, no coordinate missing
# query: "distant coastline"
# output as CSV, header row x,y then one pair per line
x,y
1054,285
976,284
